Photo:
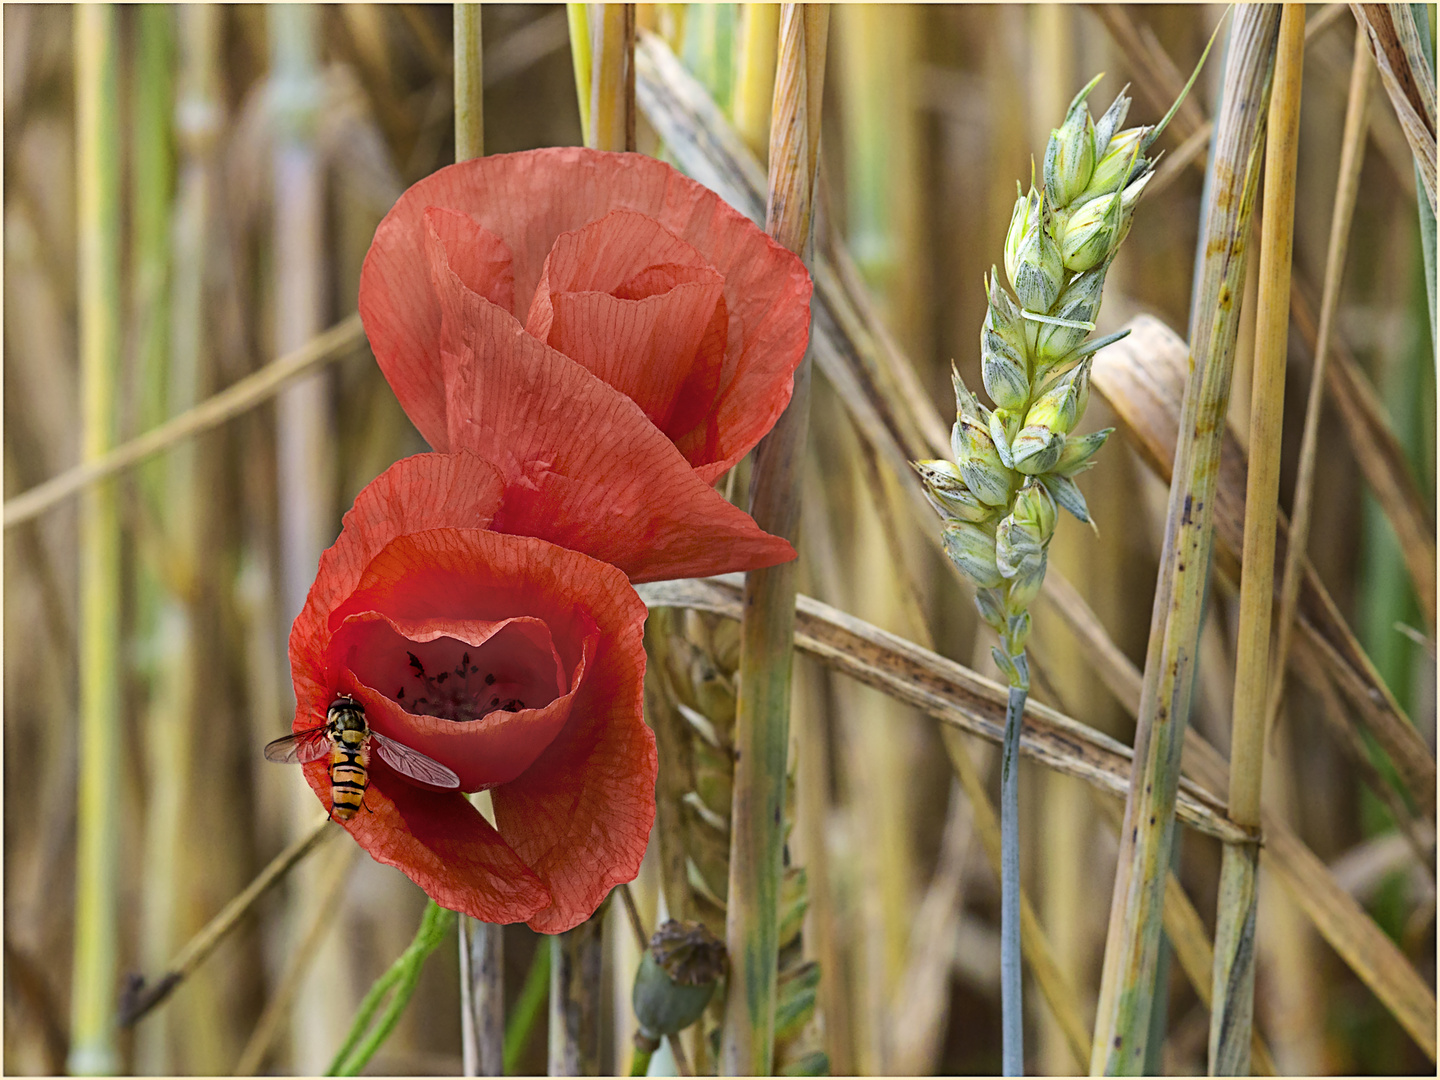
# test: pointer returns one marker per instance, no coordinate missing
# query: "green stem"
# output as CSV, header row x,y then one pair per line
x,y
1011,1003
521,1024
640,1062
92,1048
401,978
762,719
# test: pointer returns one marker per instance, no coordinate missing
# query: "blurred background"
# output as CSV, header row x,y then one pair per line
x,y
253,150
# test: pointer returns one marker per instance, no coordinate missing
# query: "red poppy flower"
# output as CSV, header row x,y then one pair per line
x,y
515,662
644,278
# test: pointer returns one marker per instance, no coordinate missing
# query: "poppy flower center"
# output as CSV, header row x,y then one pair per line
x,y
513,669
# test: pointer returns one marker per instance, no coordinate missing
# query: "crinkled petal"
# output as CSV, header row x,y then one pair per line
x,y
634,304
390,300
530,199
583,466
581,815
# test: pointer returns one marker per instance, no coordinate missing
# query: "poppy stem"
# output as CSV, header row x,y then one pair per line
x,y
521,1024
401,978
767,632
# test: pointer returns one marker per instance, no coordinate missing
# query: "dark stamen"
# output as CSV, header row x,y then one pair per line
x,y
400,693
415,663
489,679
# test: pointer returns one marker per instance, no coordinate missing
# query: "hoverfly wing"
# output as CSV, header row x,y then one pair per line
x,y
299,748
413,763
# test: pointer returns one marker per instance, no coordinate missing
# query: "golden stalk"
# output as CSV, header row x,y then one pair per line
x,y
97,861
762,714
1347,189
612,77
1132,943
755,74
1235,947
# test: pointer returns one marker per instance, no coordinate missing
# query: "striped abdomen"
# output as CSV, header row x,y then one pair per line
x,y
349,773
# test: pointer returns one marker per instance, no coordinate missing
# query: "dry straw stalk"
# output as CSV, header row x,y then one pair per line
x,y
1132,945
1233,997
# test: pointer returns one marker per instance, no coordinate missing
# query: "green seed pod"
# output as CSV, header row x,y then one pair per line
x,y
1025,586
980,465
972,549
1039,268
1035,450
1004,425
1067,494
947,493
1076,456
1002,367
1017,630
677,977
1016,547
1059,409
1079,303
1035,509
966,403
1002,349
1070,156
1091,232
1108,124
1026,213
1119,164
991,606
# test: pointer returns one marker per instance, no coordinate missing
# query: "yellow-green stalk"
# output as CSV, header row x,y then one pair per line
x,y
762,723
1347,190
1234,981
162,614
469,83
93,982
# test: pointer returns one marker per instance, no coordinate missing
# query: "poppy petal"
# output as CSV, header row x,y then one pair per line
x,y
443,844
528,200
581,815
421,492
402,320
562,438
632,302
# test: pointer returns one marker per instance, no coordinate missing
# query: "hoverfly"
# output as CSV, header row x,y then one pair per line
x,y
346,738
